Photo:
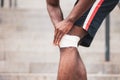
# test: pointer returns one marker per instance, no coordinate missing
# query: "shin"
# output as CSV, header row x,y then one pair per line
x,y
71,66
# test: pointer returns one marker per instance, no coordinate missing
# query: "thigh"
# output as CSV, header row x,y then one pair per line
x,y
77,31
93,18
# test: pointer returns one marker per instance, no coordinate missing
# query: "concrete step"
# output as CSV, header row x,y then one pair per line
x,y
29,76
50,55
23,17
92,68
41,49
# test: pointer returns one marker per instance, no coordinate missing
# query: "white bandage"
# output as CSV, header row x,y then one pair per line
x,y
69,41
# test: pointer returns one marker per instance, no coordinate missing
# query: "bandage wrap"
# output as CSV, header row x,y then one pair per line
x,y
69,41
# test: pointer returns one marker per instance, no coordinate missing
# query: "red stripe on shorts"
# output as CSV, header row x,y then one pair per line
x,y
96,8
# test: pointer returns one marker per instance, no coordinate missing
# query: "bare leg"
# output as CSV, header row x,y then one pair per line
x,y
71,66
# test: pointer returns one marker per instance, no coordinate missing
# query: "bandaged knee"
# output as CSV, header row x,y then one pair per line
x,y
69,41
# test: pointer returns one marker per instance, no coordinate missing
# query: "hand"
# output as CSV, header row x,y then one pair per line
x,y
62,28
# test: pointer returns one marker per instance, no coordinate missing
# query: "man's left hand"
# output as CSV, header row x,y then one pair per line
x,y
62,28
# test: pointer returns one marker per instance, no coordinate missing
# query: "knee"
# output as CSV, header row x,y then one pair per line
x,y
69,52
68,49
83,72
69,41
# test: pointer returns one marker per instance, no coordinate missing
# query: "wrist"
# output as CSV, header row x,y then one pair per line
x,y
68,20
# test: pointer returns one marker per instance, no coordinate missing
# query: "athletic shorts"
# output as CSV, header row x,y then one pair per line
x,y
92,19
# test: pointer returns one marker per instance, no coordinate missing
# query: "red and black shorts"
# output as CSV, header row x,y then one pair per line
x,y
92,19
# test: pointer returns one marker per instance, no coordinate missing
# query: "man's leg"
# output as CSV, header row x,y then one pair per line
x,y
71,66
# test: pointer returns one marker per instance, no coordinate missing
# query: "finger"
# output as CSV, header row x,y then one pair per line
x,y
60,37
57,37
55,31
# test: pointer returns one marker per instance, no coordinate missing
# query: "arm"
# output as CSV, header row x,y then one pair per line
x,y
54,10
79,10
64,26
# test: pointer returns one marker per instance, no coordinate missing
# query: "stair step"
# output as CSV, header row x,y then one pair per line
x,y
29,76
105,68
92,68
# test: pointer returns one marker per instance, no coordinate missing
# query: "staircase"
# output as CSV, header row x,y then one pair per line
x,y
27,53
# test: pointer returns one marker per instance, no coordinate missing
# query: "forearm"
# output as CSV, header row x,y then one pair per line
x,y
55,13
79,10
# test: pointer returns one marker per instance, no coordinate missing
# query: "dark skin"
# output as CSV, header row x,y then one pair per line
x,y
63,26
71,66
